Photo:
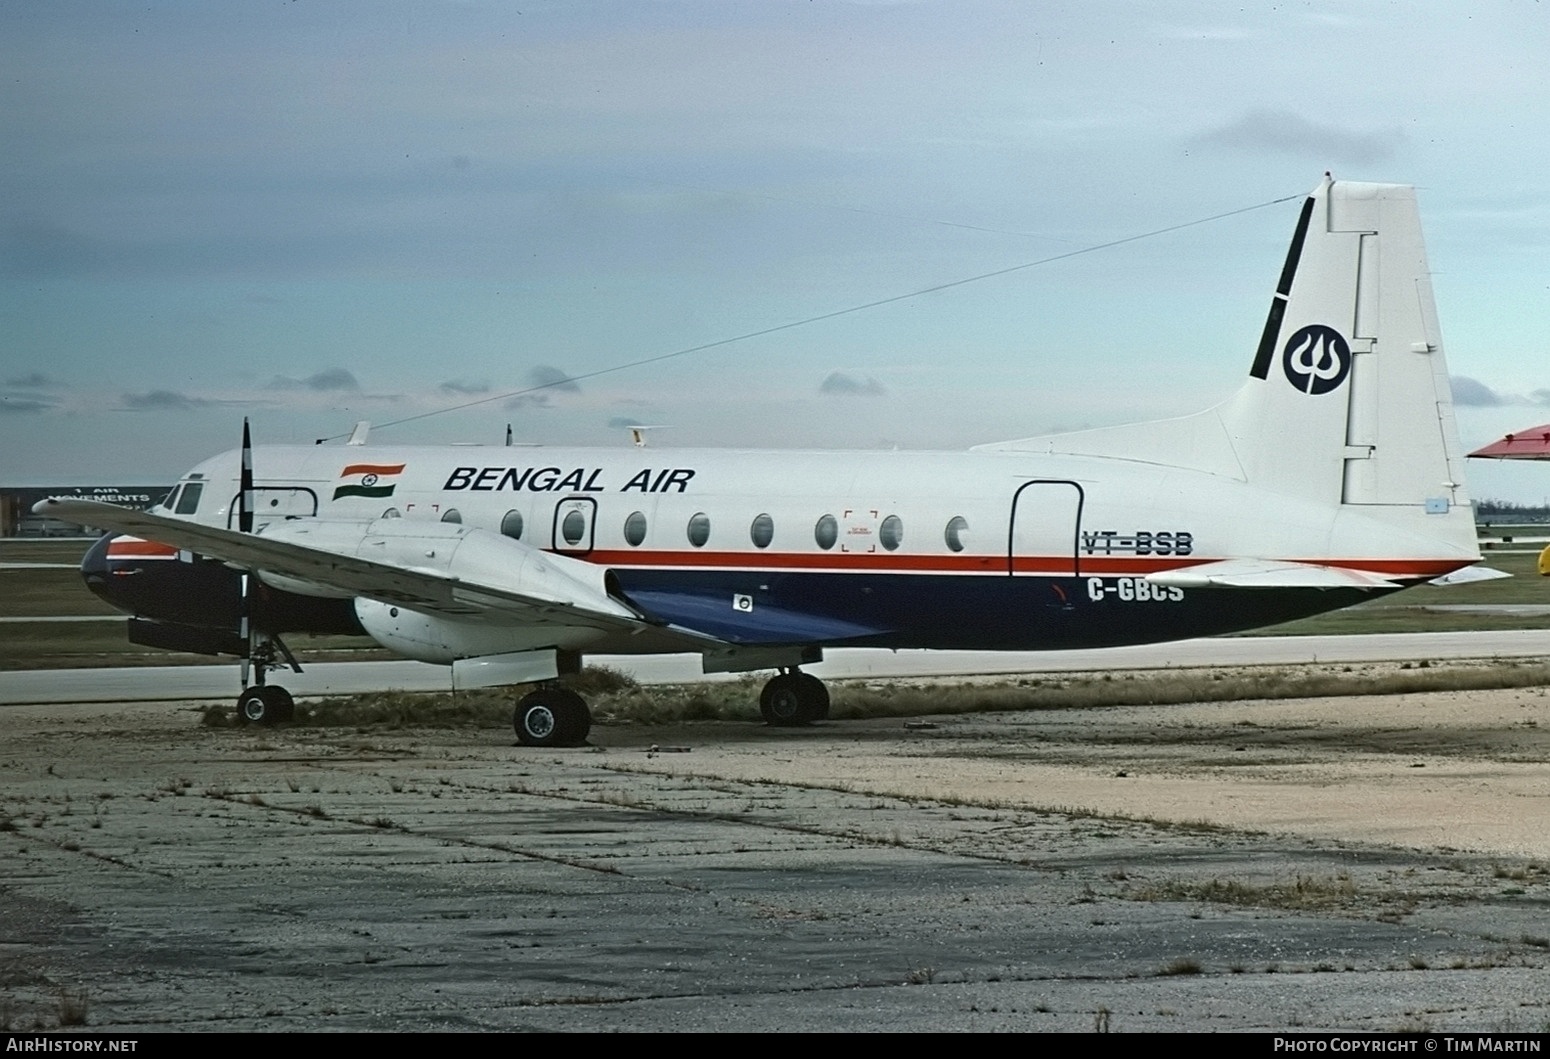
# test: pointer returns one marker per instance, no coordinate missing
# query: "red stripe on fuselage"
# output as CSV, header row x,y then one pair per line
x,y
884,562
136,548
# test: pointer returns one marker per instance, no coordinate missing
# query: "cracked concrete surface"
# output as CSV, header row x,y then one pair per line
x,y
1375,863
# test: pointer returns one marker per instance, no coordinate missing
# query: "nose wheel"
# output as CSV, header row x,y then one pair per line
x,y
262,703
265,704
792,698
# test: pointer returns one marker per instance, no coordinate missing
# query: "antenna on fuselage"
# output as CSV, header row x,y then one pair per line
x,y
508,435
638,433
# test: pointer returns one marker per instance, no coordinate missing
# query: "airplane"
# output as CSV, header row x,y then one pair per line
x,y
1332,476
1531,443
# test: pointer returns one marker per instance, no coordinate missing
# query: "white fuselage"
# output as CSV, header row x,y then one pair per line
x,y
994,549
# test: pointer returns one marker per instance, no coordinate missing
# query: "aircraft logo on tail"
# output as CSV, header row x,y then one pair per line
x,y
1317,359
368,479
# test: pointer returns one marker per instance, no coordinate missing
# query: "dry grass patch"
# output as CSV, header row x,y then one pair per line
x,y
1305,893
616,698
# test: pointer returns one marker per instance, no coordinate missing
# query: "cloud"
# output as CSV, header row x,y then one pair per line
x,y
32,381
329,379
32,400
1473,394
1281,131
162,401
19,403
552,378
839,384
624,422
460,388
546,379
1540,397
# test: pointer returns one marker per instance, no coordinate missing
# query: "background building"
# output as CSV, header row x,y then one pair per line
x,y
17,519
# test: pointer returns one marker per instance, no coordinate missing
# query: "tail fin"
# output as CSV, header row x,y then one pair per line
x,y
1348,401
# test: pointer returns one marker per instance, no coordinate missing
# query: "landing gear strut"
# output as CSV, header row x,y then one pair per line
x,y
262,703
552,716
793,698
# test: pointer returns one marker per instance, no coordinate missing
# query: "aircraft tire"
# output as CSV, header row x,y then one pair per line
x,y
284,705
787,702
553,716
817,693
265,704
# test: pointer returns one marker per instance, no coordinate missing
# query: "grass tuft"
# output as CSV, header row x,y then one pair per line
x,y
1304,892
73,1008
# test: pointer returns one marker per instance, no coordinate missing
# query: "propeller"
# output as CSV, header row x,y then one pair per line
x,y
245,525
264,650
245,514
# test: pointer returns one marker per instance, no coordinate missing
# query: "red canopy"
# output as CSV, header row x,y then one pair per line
x,y
1530,444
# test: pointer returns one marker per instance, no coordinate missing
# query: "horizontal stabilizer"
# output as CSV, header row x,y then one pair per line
x,y
1267,573
1468,576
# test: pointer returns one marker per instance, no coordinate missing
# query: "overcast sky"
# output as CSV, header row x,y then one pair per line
x,y
311,213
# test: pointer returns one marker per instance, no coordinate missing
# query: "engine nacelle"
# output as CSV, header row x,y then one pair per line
x,y
443,640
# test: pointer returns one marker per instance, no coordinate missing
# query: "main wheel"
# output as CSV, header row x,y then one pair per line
x,y
265,704
552,716
816,692
786,702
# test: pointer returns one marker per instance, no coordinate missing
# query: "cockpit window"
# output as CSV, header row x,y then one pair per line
x,y
188,499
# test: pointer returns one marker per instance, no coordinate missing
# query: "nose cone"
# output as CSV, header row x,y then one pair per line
x,y
94,570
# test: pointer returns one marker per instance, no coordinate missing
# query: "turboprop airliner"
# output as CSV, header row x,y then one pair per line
x,y
1332,476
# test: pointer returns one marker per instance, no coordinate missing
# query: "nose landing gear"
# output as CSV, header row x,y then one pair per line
x,y
262,703
265,704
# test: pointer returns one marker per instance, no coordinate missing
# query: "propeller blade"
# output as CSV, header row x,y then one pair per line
x,y
245,516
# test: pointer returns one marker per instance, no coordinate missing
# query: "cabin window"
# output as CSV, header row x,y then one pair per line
x,y
573,527
699,529
762,531
188,501
826,532
452,515
957,533
891,532
635,529
392,512
511,525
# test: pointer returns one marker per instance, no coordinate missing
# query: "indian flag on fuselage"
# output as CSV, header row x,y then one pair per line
x,y
368,479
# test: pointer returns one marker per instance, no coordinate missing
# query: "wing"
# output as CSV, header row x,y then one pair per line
x,y
1530,444
436,568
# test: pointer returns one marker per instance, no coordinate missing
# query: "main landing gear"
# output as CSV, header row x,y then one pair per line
x,y
792,698
552,716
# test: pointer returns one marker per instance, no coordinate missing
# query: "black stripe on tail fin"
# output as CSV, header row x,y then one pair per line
x,y
1272,333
